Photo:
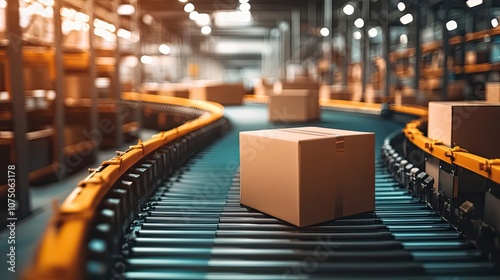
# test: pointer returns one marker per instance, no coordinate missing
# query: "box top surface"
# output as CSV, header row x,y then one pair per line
x,y
298,134
462,103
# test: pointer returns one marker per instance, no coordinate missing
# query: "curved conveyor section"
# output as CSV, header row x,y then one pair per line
x,y
194,227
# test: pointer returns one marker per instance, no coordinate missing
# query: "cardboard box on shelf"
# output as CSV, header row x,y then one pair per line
x,y
294,106
225,94
472,125
493,92
307,175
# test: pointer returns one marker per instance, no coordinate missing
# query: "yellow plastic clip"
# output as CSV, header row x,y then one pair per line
x,y
488,164
139,145
451,152
114,161
430,145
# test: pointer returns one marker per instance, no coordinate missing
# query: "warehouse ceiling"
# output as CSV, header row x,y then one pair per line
x,y
265,15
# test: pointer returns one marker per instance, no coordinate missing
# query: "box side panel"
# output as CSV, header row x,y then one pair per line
x,y
477,129
318,178
269,176
357,165
440,118
287,108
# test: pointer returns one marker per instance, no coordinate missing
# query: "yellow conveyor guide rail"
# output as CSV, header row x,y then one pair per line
x,y
488,168
61,250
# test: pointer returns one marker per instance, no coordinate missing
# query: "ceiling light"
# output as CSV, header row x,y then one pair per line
x,y
123,33
324,31
451,25
243,1
494,22
244,7
146,59
205,30
372,32
203,19
356,35
189,7
148,19
401,6
164,49
348,9
406,19
232,18
359,23
193,15
125,10
183,1
473,3
403,39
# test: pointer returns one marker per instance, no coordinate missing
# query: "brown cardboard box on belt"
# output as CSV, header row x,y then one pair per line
x,y
294,106
493,92
472,125
308,175
225,94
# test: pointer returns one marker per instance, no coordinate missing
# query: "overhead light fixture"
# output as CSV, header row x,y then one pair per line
x,y
193,15
205,30
183,1
403,39
401,6
359,23
148,19
348,9
164,49
451,25
324,32
244,7
356,35
406,19
494,22
123,33
146,59
232,18
473,3
125,10
372,32
203,19
243,1
189,7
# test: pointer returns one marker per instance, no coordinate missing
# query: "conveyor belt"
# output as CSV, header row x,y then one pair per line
x,y
195,228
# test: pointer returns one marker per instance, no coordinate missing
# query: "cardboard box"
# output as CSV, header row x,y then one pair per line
x,y
174,90
334,92
405,97
294,106
303,83
493,92
225,94
472,125
307,175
